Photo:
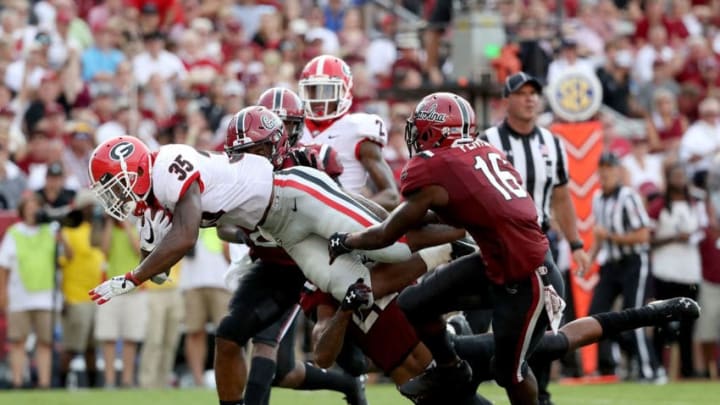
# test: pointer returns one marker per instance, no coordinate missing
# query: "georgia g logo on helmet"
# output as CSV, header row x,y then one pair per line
x,y
122,151
268,121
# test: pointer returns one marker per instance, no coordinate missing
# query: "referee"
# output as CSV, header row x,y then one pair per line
x,y
621,246
539,157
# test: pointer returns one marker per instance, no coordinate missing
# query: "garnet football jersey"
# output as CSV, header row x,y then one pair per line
x,y
487,198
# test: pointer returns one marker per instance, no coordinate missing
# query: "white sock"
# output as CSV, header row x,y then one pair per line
x,y
436,255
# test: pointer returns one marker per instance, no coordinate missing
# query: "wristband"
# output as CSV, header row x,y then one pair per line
x,y
131,276
575,245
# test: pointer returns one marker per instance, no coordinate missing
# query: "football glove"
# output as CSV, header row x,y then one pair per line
x,y
154,227
358,295
117,285
336,245
307,157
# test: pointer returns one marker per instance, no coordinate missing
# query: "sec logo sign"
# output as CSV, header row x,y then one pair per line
x,y
575,95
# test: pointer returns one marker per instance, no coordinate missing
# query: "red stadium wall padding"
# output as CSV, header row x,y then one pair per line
x,y
584,144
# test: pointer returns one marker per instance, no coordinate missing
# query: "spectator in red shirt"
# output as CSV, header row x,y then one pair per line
x,y
655,14
201,69
665,123
169,12
406,72
698,50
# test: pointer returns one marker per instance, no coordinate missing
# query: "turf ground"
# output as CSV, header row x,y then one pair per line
x,y
607,394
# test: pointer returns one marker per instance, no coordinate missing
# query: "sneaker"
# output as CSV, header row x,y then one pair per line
x,y
676,309
463,247
459,326
357,397
438,381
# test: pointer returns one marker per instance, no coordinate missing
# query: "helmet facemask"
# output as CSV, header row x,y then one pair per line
x,y
116,194
411,136
324,99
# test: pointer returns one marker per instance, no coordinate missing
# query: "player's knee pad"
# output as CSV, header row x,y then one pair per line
x,y
410,302
237,326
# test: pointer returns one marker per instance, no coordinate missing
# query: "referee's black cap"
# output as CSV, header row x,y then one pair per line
x,y
609,158
515,82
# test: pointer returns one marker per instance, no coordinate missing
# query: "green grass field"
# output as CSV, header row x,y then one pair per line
x,y
607,394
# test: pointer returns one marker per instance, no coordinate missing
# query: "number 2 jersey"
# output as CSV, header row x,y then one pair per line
x,y
486,198
234,190
345,135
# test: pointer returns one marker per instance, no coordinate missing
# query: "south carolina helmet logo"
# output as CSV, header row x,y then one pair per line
x,y
122,151
431,114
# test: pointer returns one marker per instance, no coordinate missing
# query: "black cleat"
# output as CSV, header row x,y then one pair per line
x,y
463,247
676,309
357,397
437,382
459,325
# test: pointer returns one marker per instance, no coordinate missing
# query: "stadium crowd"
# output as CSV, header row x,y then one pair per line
x,y
76,73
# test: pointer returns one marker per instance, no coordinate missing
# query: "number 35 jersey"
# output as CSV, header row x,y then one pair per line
x,y
234,190
486,197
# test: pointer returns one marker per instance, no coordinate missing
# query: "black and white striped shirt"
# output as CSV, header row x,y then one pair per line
x,y
620,212
540,159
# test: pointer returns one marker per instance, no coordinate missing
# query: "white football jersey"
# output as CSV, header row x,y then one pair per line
x,y
234,190
345,136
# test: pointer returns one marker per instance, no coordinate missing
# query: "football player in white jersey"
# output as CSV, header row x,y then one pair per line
x,y
325,87
299,208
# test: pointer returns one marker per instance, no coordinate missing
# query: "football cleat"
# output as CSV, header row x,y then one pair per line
x,y
437,382
357,397
676,309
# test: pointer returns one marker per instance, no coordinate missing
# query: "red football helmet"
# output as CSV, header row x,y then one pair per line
x,y
253,126
325,85
121,175
288,106
440,120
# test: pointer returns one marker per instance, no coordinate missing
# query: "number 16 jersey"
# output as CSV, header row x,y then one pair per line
x,y
486,197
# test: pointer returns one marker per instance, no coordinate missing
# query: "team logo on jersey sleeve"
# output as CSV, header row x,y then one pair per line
x,y
431,114
122,151
575,95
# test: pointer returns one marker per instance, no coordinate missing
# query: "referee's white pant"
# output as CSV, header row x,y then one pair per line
x,y
307,209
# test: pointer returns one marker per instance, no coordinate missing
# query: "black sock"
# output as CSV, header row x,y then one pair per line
x,y
320,379
233,402
551,347
262,374
614,323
